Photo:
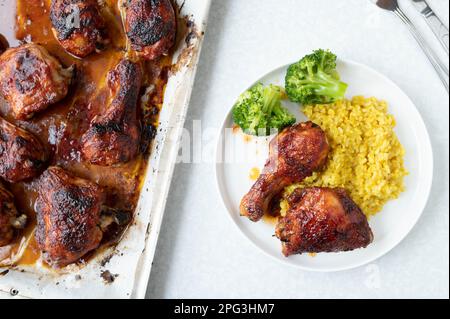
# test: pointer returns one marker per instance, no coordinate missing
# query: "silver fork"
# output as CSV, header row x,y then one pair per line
x,y
441,69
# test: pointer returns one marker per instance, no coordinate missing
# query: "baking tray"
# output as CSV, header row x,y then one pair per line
x,y
129,263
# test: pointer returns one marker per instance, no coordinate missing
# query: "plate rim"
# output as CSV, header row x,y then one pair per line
x,y
428,183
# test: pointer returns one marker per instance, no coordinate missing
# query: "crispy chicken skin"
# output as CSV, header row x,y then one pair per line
x,y
31,79
113,137
22,155
3,44
9,218
294,154
150,26
78,26
68,216
322,220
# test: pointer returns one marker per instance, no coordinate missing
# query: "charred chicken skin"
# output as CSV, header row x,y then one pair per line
x,y
294,154
3,44
113,137
150,26
68,217
31,79
22,155
322,220
78,26
9,218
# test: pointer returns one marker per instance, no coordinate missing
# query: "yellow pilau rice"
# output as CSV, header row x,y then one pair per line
x,y
366,156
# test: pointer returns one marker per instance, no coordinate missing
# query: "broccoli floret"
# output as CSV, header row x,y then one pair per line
x,y
315,80
258,111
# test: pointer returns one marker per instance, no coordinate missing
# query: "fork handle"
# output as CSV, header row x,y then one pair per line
x,y
440,68
435,24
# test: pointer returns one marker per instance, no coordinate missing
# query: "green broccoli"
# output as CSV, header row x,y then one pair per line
x,y
315,80
258,111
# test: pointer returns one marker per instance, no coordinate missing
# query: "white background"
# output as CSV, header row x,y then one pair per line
x,y
200,253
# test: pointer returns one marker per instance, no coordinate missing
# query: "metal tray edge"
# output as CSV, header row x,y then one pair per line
x,y
166,171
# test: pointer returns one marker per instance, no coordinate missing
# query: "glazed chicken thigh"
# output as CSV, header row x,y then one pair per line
x,y
78,26
31,79
113,137
3,44
9,218
295,154
150,26
68,216
22,155
322,220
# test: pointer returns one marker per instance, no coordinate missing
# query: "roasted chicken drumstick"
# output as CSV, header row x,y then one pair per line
x,y
151,26
31,79
22,155
68,216
9,218
78,26
322,220
294,155
113,137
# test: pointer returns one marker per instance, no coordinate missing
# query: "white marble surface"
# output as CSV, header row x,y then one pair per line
x,y
201,254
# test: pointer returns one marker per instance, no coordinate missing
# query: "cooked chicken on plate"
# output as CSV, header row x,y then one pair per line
x,y
9,217
322,220
113,137
22,155
150,26
3,44
295,154
68,216
78,26
31,79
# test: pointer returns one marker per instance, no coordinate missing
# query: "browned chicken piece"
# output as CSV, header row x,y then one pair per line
x,y
151,26
113,137
31,79
3,44
78,26
9,218
22,155
323,220
68,216
294,154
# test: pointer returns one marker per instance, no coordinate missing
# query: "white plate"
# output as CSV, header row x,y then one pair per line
x,y
390,226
